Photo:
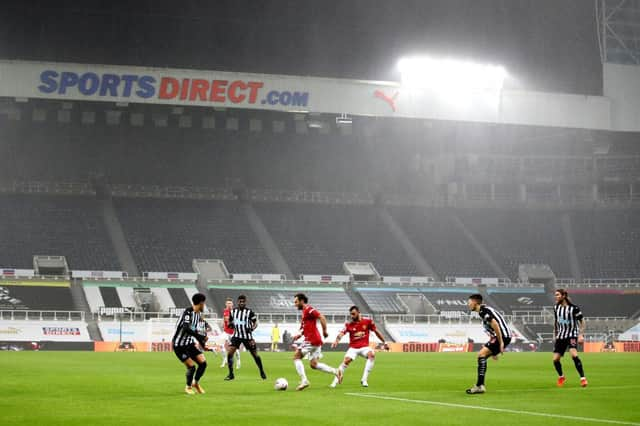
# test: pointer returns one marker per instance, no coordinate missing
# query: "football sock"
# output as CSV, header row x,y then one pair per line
x,y
578,364
324,367
190,372
482,370
258,361
230,364
300,369
200,371
368,366
558,367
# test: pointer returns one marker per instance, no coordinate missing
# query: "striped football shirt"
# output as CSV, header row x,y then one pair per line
x,y
190,320
567,320
487,314
243,321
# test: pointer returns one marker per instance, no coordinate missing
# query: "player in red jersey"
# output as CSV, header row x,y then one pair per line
x,y
358,329
311,347
228,332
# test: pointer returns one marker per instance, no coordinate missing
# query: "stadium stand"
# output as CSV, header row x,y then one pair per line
x,y
94,298
384,301
275,299
443,245
166,235
110,297
165,295
450,302
70,226
317,239
515,237
118,150
179,296
520,299
36,295
607,243
607,302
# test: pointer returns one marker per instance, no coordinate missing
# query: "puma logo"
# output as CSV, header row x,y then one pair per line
x,y
391,100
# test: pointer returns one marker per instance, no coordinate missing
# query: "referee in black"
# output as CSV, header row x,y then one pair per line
x,y
244,321
191,328
568,331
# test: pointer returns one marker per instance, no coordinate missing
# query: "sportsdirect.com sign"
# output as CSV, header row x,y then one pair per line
x,y
153,85
166,87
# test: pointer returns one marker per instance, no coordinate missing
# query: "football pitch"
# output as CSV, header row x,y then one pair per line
x,y
85,388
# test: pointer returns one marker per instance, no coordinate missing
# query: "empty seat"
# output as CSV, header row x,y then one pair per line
x,y
69,226
317,239
166,235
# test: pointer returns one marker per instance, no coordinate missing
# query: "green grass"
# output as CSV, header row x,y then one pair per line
x,y
69,388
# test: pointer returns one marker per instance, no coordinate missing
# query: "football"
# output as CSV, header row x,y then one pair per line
x,y
281,384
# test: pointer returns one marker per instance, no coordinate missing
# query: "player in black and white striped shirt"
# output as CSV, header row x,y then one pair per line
x,y
244,321
499,338
568,331
191,328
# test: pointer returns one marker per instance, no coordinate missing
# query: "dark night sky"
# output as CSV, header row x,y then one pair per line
x,y
549,45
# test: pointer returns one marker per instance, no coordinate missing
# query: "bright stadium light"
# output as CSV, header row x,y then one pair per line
x,y
446,74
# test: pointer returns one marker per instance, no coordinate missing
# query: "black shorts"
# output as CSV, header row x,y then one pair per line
x,y
494,345
249,344
561,345
185,352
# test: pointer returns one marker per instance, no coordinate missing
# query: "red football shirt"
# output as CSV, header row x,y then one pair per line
x,y
226,314
309,327
359,332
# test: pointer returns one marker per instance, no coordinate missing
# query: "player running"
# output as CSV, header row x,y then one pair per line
x,y
568,331
500,337
189,330
244,322
228,332
358,329
312,345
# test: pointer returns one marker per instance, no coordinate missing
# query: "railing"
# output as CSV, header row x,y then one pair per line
x,y
601,283
333,318
144,316
36,278
285,283
429,319
18,315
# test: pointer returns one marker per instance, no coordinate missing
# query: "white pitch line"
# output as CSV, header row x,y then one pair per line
x,y
500,410
590,389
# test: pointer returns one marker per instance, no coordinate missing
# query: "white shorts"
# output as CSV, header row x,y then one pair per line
x,y
309,351
353,353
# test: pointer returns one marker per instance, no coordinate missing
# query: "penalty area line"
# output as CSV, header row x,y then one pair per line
x,y
499,410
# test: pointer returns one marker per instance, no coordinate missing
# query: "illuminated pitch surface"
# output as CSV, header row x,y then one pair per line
x,y
75,388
